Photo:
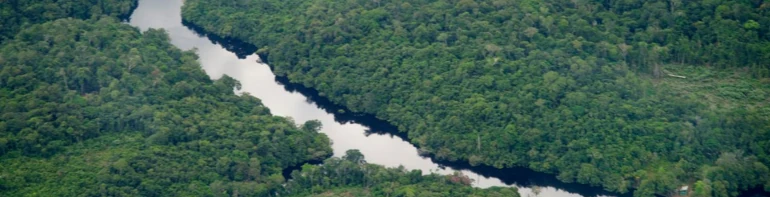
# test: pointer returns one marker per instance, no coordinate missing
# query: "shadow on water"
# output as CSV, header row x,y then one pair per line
x,y
758,191
238,47
510,176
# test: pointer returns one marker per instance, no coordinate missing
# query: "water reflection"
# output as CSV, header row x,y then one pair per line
x,y
237,47
522,177
510,176
377,140
525,179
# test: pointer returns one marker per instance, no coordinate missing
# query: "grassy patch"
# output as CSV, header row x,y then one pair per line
x,y
720,89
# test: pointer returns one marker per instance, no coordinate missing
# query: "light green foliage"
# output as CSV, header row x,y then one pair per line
x,y
751,25
568,87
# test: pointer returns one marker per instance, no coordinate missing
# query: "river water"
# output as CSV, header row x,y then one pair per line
x,y
377,140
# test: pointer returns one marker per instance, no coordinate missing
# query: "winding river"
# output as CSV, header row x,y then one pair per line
x,y
377,140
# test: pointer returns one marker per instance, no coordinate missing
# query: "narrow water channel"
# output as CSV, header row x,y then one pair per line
x,y
377,140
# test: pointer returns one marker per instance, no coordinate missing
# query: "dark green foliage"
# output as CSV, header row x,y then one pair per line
x,y
577,88
69,82
15,14
350,177
96,108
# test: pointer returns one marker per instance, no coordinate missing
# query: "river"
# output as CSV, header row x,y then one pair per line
x,y
377,140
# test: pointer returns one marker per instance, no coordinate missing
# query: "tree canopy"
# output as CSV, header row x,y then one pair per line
x,y
15,14
590,90
348,176
70,82
97,108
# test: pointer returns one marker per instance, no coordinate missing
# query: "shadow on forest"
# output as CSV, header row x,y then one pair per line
x,y
511,176
287,171
127,16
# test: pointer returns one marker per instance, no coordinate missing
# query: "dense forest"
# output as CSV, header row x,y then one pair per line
x,y
94,107
644,95
69,85
15,14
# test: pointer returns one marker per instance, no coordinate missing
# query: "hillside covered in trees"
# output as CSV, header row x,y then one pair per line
x,y
97,108
645,95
